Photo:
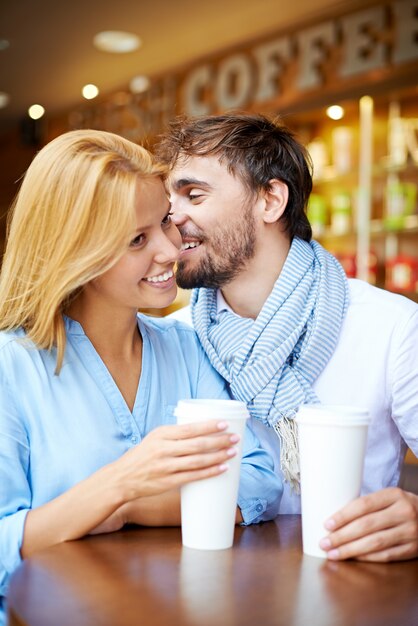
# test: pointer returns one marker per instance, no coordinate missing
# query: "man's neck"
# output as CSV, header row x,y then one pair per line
x,y
247,293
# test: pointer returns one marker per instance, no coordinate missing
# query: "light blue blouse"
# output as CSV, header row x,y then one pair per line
x,y
57,430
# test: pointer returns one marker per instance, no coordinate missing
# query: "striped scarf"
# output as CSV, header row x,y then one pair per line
x,y
272,362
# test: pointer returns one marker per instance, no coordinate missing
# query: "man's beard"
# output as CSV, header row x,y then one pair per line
x,y
228,252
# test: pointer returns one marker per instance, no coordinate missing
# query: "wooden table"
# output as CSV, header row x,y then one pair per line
x,y
142,576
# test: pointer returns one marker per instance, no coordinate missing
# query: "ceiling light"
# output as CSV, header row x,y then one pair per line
x,y
139,84
4,99
90,91
36,111
4,44
116,41
335,112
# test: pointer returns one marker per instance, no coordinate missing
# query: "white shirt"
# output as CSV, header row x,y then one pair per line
x,y
374,366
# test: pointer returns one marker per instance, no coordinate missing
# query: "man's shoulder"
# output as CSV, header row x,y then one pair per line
x,y
374,300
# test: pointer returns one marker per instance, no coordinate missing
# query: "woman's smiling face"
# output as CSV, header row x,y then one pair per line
x,y
144,276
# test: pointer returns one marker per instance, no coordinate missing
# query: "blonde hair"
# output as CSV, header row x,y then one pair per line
x,y
71,221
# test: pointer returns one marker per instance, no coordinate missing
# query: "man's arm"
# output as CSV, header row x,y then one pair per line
x,y
382,526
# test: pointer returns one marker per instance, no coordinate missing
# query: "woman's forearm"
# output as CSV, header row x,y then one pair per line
x,y
74,513
159,510
150,473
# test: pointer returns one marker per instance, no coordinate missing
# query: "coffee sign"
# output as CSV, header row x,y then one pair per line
x,y
362,42
344,55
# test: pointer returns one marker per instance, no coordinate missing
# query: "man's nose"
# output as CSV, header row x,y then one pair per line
x,y
178,215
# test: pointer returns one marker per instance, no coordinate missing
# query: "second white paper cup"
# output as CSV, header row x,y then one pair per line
x,y
208,507
332,444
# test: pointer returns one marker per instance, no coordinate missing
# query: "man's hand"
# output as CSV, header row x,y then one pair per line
x,y
382,526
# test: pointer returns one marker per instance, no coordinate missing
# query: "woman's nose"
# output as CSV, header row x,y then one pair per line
x,y
169,248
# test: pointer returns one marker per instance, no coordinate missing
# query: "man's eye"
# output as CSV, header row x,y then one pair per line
x,y
137,241
167,219
194,195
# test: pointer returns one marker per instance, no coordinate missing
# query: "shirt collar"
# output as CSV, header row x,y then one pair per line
x,y
221,303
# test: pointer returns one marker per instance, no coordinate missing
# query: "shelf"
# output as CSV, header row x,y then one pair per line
x,y
332,175
385,167
378,228
329,234
376,186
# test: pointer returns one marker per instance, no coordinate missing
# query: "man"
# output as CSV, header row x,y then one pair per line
x,y
280,321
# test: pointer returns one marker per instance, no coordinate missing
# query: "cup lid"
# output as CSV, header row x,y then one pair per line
x,y
212,408
336,414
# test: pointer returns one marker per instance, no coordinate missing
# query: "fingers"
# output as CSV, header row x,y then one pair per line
x,y
199,461
190,439
361,506
171,456
182,478
187,431
386,545
168,464
379,527
200,445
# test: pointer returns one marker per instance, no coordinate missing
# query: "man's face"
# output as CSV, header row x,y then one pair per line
x,y
214,212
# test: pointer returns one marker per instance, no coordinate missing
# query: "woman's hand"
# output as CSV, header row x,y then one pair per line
x,y
171,456
167,458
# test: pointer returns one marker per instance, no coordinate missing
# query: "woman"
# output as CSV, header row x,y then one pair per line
x,y
83,377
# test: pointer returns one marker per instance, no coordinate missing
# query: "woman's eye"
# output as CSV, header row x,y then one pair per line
x,y
167,219
137,241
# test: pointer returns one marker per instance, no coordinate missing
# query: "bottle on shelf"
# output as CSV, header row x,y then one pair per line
x,y
400,200
342,145
402,274
317,214
341,213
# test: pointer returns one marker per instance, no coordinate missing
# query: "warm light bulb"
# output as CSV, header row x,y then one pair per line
x,y
90,91
36,111
116,41
4,99
335,112
139,84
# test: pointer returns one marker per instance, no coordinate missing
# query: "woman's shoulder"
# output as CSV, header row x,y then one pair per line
x,y
11,337
171,333
166,326
13,349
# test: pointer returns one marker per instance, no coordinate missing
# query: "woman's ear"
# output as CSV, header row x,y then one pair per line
x,y
276,198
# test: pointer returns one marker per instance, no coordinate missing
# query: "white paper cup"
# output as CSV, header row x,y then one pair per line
x,y
332,444
208,507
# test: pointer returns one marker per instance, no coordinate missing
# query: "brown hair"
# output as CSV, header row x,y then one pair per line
x,y
253,147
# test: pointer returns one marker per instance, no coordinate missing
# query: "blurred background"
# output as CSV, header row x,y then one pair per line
x,y
343,75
